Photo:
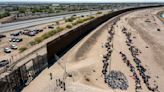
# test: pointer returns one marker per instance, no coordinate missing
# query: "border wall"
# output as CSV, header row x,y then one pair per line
x,y
59,46
15,80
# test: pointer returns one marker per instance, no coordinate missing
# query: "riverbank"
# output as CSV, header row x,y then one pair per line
x,y
134,36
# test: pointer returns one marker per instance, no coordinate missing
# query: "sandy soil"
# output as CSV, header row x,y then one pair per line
x,y
81,67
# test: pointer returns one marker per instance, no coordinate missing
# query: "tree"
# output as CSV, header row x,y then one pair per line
x,y
22,10
57,23
5,14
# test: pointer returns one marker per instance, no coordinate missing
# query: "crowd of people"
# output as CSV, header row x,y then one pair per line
x,y
114,79
60,84
135,52
117,80
109,49
138,86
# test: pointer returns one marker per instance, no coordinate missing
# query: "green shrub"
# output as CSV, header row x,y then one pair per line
x,y
45,36
57,23
82,20
38,39
32,43
5,14
79,21
99,12
22,49
75,23
71,19
58,29
51,33
91,17
69,26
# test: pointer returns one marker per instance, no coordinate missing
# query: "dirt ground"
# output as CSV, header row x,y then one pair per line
x,y
81,67
15,55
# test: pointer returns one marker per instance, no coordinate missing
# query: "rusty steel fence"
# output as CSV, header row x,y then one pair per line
x,y
14,81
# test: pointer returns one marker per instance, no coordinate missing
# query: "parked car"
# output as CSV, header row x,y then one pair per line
x,y
15,34
2,36
16,40
4,63
37,30
13,46
7,50
32,33
50,27
12,40
40,30
25,32
19,39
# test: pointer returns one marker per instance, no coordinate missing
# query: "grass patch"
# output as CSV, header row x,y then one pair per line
x,y
39,39
71,19
57,23
83,20
22,49
58,29
69,26
46,35
32,43
99,12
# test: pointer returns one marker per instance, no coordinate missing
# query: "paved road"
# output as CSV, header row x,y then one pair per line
x,y
32,22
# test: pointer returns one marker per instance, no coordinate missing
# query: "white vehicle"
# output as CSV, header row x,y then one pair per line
x,y
13,46
7,50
